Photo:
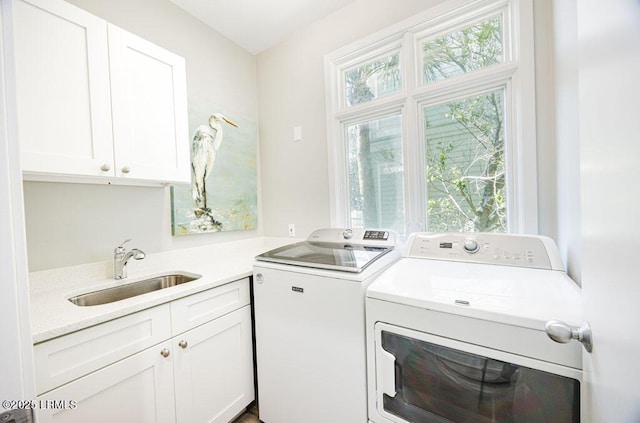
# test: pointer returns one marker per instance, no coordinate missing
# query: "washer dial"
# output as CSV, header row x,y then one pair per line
x,y
471,246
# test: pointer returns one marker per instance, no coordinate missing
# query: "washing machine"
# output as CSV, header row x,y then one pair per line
x,y
457,331
310,325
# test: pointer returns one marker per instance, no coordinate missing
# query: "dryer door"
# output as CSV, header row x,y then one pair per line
x,y
426,378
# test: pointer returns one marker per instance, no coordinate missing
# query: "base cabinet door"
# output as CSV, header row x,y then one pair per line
x,y
213,367
137,389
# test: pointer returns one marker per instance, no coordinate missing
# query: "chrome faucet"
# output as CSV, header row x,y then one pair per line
x,y
121,257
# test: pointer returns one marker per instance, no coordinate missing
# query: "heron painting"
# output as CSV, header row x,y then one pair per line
x,y
223,192
206,141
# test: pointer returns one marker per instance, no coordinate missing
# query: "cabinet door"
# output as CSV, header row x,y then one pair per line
x,y
137,389
65,358
214,369
62,87
149,101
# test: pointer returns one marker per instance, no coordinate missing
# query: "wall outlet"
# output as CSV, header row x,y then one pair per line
x,y
292,229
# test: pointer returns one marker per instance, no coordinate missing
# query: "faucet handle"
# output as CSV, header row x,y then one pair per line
x,y
120,248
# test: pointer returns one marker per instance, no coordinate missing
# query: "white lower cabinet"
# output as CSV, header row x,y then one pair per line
x,y
213,368
137,389
204,374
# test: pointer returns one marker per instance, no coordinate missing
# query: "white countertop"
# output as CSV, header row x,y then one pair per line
x,y
52,315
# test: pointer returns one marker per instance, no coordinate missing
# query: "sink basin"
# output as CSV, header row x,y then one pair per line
x,y
134,289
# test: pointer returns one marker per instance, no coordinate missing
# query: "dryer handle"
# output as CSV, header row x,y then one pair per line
x,y
386,372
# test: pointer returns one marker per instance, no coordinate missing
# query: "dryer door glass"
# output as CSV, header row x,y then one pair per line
x,y
438,384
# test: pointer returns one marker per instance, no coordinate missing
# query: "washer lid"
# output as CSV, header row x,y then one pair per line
x,y
342,257
512,295
342,249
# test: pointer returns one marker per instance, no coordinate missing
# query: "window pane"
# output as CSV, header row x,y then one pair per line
x,y
373,80
465,164
475,47
376,174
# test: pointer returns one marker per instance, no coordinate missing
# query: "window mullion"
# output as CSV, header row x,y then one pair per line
x,y
459,86
415,199
415,196
368,110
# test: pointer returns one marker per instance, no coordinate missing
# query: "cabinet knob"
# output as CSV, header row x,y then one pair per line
x,y
165,353
105,167
183,344
126,169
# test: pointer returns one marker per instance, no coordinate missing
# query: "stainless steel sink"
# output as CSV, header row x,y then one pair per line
x,y
134,289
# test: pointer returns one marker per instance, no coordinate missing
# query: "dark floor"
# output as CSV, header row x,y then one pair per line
x,y
249,416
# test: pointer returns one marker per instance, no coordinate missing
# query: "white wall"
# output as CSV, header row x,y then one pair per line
x,y
557,128
545,117
291,92
69,224
567,134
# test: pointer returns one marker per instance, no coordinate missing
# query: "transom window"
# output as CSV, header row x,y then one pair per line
x,y
432,126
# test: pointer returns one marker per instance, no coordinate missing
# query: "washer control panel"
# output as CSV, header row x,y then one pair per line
x,y
356,236
502,249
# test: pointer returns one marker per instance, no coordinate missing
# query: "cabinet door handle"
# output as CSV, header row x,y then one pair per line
x,y
165,352
105,167
126,169
183,344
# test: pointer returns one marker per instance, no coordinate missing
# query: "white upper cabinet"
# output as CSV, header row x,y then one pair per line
x,y
149,109
63,94
95,101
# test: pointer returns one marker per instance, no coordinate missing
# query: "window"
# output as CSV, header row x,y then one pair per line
x,y
376,172
472,48
373,80
432,126
465,153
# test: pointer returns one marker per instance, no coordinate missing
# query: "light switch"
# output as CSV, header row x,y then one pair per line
x,y
297,133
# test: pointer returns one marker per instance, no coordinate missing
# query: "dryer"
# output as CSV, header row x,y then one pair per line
x,y
456,333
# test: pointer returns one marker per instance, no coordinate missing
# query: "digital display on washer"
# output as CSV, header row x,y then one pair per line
x,y
376,235
342,257
446,245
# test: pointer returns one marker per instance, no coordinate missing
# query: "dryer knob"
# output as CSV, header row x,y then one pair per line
x,y
471,246
347,234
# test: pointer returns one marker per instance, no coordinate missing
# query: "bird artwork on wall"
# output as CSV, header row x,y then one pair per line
x,y
206,142
223,191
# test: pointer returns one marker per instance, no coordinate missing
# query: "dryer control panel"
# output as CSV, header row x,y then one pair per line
x,y
498,249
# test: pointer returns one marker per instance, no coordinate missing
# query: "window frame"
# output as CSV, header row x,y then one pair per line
x,y
515,73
